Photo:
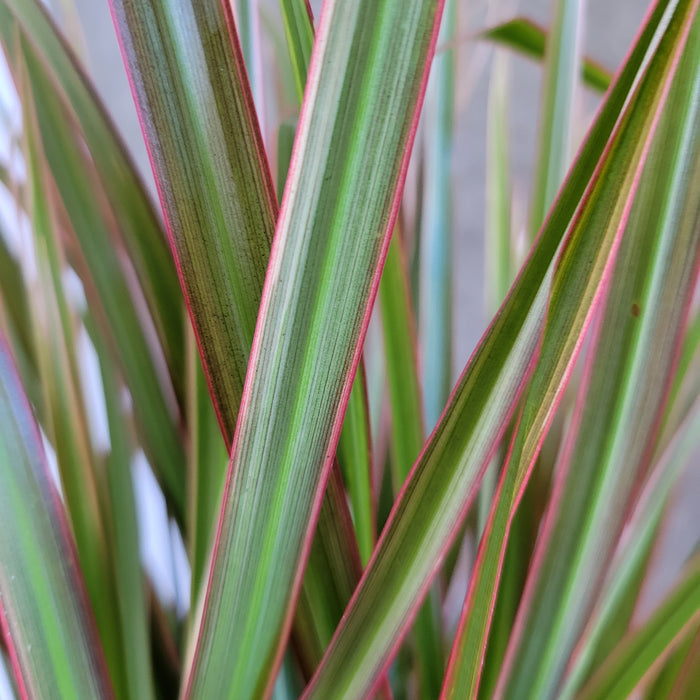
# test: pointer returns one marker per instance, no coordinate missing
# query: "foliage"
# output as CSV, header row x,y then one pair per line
x,y
231,317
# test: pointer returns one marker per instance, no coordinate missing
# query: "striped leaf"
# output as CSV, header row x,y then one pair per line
x,y
445,478
357,125
189,83
561,66
649,300
139,225
45,616
677,617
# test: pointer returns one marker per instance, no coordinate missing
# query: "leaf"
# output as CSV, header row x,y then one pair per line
x,y
329,579
623,581
340,203
138,224
45,616
444,480
435,313
498,195
435,308
530,39
299,30
634,356
561,66
15,320
197,114
355,458
248,24
335,561
581,271
629,663
499,256
407,429
135,654
65,417
95,255
208,457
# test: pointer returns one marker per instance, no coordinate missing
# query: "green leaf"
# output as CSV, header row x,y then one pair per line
x,y
95,255
135,658
435,312
623,582
15,320
299,30
335,562
248,25
329,580
196,110
633,356
445,478
208,458
65,418
355,458
340,203
561,66
573,299
46,618
407,431
138,224
530,39
499,256
633,659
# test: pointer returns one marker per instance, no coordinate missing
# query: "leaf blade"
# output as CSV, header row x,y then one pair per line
x,y
676,617
630,355
529,38
193,99
372,144
49,627
386,598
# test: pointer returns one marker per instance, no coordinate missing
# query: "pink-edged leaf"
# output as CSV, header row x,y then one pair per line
x,y
445,478
356,129
45,616
191,90
138,224
628,373
642,650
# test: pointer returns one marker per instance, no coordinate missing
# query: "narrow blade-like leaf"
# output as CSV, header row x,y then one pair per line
x,y
135,654
299,30
45,616
65,417
628,664
527,37
351,152
435,313
444,480
650,295
335,560
355,459
407,430
577,285
94,253
196,110
560,70
623,582
139,225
